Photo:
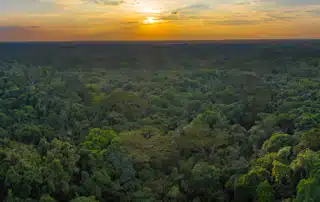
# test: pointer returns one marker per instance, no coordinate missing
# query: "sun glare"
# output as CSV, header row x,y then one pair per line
x,y
151,20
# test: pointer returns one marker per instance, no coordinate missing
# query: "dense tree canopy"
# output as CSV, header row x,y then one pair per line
x,y
227,123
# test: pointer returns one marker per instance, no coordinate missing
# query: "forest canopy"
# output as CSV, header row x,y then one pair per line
x,y
191,122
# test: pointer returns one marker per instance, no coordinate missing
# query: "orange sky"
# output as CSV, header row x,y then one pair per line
x,y
69,20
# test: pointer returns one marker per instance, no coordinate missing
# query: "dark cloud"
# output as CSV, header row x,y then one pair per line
x,y
314,12
190,8
185,13
130,22
16,28
8,28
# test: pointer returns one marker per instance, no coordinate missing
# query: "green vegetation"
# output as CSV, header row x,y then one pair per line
x,y
243,128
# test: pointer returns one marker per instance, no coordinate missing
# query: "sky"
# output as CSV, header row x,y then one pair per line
x,y
99,20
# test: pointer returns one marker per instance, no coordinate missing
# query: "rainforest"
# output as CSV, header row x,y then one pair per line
x,y
232,121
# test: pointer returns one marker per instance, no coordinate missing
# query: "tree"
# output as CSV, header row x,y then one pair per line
x,y
308,190
144,147
245,185
281,172
311,139
47,198
204,180
60,164
198,137
276,142
266,161
265,192
261,132
97,140
285,155
307,164
84,199
21,170
29,134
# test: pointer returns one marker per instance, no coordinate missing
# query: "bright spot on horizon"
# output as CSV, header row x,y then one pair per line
x,y
151,20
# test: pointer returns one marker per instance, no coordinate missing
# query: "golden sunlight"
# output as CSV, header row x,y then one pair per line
x,y
151,20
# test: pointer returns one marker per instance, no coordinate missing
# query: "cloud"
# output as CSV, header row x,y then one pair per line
x,y
34,27
106,2
9,28
16,33
130,22
231,14
238,20
190,9
300,2
248,2
314,12
234,22
293,2
16,28
189,12
81,4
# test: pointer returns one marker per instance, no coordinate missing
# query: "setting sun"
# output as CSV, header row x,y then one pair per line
x,y
151,20
99,20
160,100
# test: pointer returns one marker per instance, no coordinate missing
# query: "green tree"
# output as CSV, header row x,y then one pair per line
x,y
47,198
265,192
308,190
281,172
245,185
97,140
311,139
84,199
276,142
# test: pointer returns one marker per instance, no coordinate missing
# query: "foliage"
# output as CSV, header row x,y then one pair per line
x,y
265,192
146,123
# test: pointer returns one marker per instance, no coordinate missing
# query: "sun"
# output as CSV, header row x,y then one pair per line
x,y
151,20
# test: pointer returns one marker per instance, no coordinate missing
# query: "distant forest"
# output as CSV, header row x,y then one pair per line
x,y
151,122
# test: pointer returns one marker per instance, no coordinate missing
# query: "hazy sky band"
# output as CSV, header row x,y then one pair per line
x,y
50,20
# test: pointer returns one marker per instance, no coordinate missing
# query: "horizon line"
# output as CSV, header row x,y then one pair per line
x,y
159,41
